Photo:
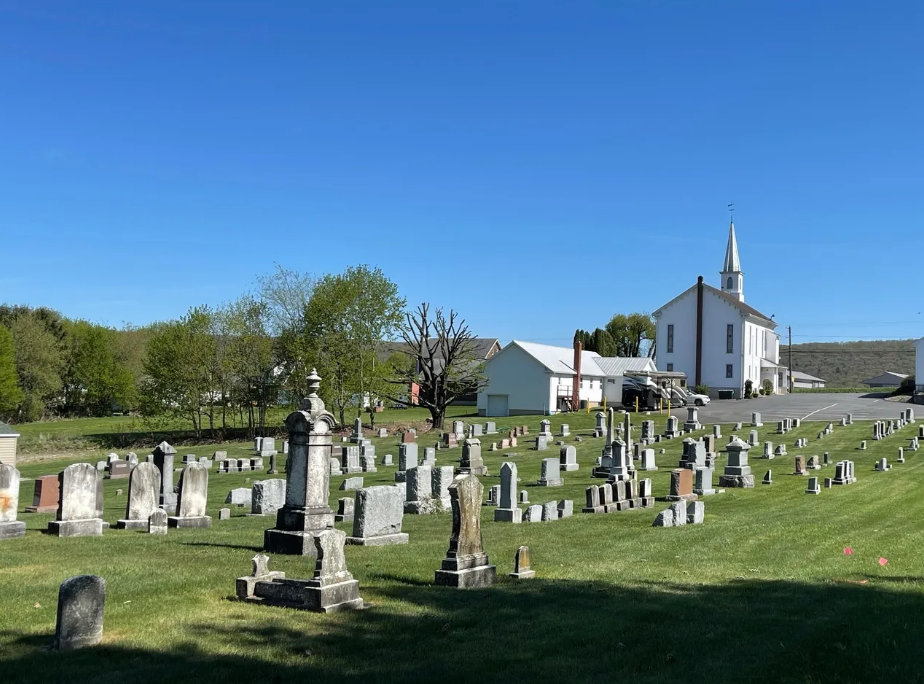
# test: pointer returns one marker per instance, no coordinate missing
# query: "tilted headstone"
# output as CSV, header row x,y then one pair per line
x,y
81,602
10,528
466,564
143,497
79,505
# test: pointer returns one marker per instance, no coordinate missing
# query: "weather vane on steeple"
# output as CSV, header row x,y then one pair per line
x,y
731,208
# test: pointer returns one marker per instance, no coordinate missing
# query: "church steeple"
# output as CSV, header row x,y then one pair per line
x,y
732,276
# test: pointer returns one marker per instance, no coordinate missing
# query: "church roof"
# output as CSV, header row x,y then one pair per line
x,y
732,262
741,306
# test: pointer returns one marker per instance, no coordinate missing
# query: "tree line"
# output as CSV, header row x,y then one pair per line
x,y
224,367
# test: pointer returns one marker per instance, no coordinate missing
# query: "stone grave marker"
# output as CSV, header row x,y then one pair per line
x,y
157,522
268,496
143,497
45,495
378,513
79,505
192,497
466,564
81,602
521,564
10,528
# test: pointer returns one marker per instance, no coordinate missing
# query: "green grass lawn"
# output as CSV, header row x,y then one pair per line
x,y
762,591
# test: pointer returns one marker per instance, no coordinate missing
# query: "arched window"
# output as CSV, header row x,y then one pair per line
x,y
728,283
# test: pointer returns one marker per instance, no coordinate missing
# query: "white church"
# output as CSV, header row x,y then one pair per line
x,y
716,339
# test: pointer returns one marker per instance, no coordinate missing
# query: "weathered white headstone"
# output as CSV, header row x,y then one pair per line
x,y
81,601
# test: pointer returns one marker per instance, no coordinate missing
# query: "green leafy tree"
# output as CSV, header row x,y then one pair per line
x,y
180,369
97,380
251,358
40,361
10,394
604,344
632,333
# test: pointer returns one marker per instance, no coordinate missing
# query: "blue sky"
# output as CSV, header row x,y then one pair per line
x,y
537,166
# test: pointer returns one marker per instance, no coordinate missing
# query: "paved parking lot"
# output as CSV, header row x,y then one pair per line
x,y
823,407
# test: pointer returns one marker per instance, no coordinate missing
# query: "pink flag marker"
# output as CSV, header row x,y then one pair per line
x,y
848,551
883,561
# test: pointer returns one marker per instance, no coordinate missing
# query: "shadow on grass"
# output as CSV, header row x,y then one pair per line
x,y
540,631
242,547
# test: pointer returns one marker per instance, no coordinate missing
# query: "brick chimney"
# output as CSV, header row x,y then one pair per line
x,y
576,388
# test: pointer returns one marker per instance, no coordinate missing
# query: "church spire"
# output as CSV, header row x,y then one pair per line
x,y
732,277
732,262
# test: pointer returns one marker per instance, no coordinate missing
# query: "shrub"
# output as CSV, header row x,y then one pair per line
x,y
768,387
701,389
748,389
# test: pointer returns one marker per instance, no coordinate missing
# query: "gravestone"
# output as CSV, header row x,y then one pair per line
x,y
755,420
164,455
407,459
844,473
45,495
692,423
458,429
349,460
673,427
768,478
542,442
737,472
10,528
523,497
192,497
331,589
800,465
429,458
491,428
696,513
119,470
681,485
382,432
882,465
493,496
768,450
378,513
345,508
752,438
780,450
533,513
224,514
550,475
717,431
737,427
268,496
388,460
157,522
550,511
545,427
600,424
812,487
81,602
351,483
79,504
306,511
567,456
702,484
565,508
143,497
440,480
507,510
521,564
471,462
419,496
813,463
647,460
357,435
466,564
564,430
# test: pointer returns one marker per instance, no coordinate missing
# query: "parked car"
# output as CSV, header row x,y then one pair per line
x,y
692,398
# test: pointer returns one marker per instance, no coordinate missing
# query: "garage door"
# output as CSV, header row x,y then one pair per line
x,y
497,404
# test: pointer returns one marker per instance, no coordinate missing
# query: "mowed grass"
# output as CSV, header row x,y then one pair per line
x,y
762,591
81,435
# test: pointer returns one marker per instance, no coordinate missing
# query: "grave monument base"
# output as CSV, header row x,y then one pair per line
x,y
12,529
92,527
311,595
132,525
475,470
523,574
191,521
380,540
739,481
511,515
468,578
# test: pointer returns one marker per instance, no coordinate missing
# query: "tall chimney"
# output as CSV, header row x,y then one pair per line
x,y
576,388
699,331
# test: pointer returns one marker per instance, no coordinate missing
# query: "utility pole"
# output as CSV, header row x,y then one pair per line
x,y
791,383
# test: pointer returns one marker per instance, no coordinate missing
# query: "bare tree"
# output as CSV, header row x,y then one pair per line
x,y
445,365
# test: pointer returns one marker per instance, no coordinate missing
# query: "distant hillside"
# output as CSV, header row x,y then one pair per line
x,y
845,364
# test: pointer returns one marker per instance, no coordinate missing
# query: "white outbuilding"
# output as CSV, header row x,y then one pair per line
x,y
919,364
526,378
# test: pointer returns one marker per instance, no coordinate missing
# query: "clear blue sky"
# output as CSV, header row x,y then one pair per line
x,y
536,165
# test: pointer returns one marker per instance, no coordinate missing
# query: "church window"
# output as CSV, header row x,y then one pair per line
x,y
670,338
729,370
730,338
728,283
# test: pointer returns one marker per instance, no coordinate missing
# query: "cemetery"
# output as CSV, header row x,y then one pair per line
x,y
184,568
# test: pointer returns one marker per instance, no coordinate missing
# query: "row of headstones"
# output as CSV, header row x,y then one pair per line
x,y
620,495
844,474
263,497
353,459
266,446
